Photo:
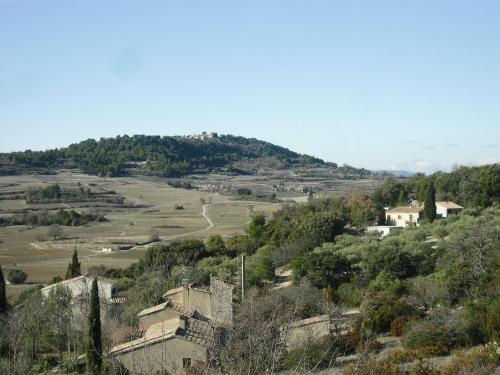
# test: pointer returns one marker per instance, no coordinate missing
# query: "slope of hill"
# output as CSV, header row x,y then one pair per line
x,y
161,156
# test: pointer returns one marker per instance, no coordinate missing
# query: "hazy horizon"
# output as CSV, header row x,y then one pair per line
x,y
382,85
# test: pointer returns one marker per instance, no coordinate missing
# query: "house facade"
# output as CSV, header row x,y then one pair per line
x,y
404,216
178,333
80,286
444,209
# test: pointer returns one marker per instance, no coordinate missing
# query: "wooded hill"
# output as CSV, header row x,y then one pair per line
x,y
161,156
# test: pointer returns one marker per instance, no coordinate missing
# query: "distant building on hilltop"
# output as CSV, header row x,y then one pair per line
x,y
202,137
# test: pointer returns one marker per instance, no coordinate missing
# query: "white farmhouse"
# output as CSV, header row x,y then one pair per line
x,y
404,216
444,209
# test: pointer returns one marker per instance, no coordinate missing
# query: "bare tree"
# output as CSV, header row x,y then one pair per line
x,y
55,231
261,334
60,314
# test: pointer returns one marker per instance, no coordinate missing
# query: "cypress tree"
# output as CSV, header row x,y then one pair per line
x,y
94,344
74,268
430,203
3,294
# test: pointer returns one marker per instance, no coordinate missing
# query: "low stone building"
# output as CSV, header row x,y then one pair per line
x,y
304,331
80,287
178,333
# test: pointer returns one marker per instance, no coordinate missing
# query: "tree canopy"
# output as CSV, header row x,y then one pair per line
x,y
156,155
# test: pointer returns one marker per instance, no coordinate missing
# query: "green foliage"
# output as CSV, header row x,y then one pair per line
x,y
221,266
74,268
381,309
162,156
351,293
54,193
216,245
307,226
3,295
391,193
27,294
467,186
442,331
430,204
479,361
389,257
318,354
483,316
324,268
94,344
177,253
362,210
256,227
61,217
317,229
244,191
17,276
242,244
260,266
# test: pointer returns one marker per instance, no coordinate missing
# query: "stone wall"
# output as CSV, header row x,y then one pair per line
x,y
222,301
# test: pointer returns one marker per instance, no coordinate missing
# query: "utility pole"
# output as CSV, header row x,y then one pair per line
x,y
243,277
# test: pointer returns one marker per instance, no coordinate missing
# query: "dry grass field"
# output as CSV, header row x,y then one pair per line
x,y
150,207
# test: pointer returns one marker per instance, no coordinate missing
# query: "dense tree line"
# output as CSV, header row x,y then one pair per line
x,y
61,217
155,155
467,186
55,193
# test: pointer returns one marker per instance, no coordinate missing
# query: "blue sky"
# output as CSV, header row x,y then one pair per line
x,y
381,84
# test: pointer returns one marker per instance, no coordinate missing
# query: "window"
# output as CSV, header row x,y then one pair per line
x,y
186,362
399,217
411,217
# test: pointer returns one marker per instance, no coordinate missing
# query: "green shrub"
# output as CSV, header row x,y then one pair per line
x,y
424,368
320,353
442,331
484,319
123,284
350,294
481,361
398,325
372,367
381,310
17,276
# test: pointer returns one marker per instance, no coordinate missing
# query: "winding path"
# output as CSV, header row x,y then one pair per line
x,y
163,239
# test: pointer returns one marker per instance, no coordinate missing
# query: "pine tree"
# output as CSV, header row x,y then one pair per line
x,y
74,268
3,294
94,344
430,204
